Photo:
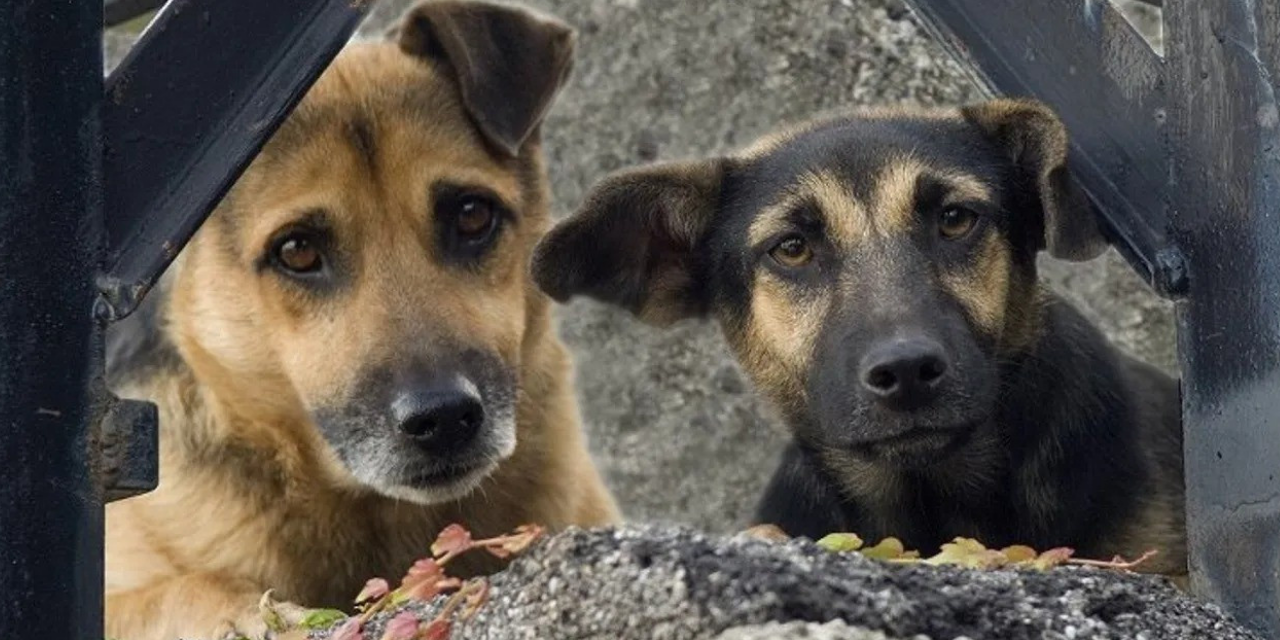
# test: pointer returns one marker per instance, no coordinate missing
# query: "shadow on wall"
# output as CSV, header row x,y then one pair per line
x,y
673,424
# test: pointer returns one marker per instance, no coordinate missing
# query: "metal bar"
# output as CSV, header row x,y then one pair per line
x,y
1224,141
187,110
1085,60
120,11
1190,149
50,213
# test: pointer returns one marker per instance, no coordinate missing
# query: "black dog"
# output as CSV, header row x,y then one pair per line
x,y
876,276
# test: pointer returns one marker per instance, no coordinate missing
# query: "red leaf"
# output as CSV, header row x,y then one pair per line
x,y
437,629
350,630
424,570
373,589
427,590
524,536
478,595
451,541
402,627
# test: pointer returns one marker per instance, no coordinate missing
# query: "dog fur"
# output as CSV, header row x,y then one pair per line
x,y
831,253
374,254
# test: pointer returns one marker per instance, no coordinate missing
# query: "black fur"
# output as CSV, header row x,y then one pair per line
x,y
1039,432
1072,396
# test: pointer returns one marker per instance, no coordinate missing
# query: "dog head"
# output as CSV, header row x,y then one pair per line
x,y
367,277
870,270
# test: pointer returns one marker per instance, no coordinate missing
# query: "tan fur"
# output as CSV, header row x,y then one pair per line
x,y
250,497
983,289
771,142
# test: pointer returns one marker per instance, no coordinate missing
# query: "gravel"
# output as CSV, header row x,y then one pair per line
x,y
668,582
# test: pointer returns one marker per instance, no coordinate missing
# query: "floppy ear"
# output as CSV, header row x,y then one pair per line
x,y
509,62
636,242
1036,141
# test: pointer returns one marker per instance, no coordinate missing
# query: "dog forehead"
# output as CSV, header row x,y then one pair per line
x,y
860,175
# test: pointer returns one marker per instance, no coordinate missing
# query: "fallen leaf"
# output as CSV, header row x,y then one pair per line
x,y
768,532
1052,558
350,630
321,618
840,542
888,549
1018,554
437,629
967,552
427,590
424,570
452,541
476,597
404,626
373,589
270,616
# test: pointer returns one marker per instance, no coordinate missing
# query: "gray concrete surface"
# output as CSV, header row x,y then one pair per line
x,y
663,583
675,428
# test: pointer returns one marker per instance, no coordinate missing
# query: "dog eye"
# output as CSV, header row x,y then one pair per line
x,y
467,222
298,253
475,217
955,222
792,251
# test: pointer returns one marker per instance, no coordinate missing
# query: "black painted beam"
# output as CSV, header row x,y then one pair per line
x,y
1085,59
187,110
1183,156
50,241
116,12
1224,142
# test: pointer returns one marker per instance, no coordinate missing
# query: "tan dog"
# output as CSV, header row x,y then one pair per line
x,y
350,355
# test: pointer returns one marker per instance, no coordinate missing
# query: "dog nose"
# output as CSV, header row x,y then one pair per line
x,y
442,417
904,373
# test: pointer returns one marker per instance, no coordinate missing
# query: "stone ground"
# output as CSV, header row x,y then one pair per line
x,y
673,583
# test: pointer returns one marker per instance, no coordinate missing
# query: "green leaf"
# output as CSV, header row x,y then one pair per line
x,y
840,542
321,618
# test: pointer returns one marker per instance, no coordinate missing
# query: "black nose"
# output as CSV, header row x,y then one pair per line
x,y
440,417
904,373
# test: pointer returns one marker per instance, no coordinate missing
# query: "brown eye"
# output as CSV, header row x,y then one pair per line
x,y
955,222
299,254
793,251
475,218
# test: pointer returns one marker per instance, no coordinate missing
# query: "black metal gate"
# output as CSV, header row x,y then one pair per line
x,y
1182,154
102,183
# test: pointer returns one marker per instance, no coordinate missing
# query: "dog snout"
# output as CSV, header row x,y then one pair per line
x,y
904,373
440,417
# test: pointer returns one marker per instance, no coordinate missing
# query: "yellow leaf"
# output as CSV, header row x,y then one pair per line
x,y
967,552
1052,558
887,549
1018,554
840,542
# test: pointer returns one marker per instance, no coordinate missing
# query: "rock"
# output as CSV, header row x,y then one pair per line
x,y
833,630
674,426
674,583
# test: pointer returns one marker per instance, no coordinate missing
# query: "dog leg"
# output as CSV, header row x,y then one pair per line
x,y
192,607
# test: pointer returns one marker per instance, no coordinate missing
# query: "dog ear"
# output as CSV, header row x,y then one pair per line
x,y
1036,141
509,62
636,242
